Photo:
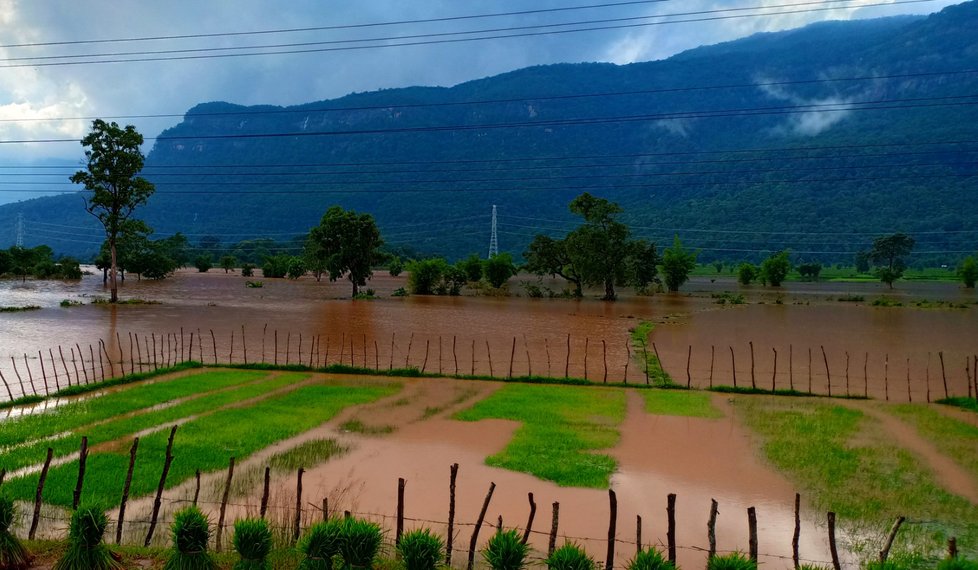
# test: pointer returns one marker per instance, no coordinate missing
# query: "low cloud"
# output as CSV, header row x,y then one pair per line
x,y
825,112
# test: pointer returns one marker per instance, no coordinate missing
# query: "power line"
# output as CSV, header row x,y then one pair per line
x,y
481,38
881,104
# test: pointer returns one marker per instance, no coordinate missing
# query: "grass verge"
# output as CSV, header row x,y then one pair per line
x,y
205,443
680,403
961,402
640,342
954,438
562,427
307,454
844,461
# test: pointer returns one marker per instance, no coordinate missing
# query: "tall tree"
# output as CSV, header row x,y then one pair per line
x,y
349,243
114,162
775,268
888,253
677,263
548,256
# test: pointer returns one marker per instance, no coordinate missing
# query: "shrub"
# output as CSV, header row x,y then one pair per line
x,y
319,545
85,549
472,266
399,292
650,559
957,564
734,561
570,557
254,284
425,275
191,530
506,551
359,542
203,263
247,269
498,269
228,262
775,268
746,273
395,266
275,266
253,541
420,550
13,555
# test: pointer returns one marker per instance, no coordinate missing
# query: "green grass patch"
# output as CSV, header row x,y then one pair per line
x,y
562,428
844,461
74,415
640,343
852,299
357,426
307,454
19,309
885,301
126,425
960,402
680,403
954,438
205,443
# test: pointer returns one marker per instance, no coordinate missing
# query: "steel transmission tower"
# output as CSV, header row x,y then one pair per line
x,y
20,230
493,240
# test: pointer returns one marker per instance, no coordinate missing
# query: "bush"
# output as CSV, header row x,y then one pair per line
x,y
191,530
320,544
85,549
276,266
359,542
775,268
506,551
498,269
247,269
13,555
424,276
253,541
420,550
650,559
472,266
395,266
746,273
399,292
228,262
296,268
968,272
203,263
570,557
735,561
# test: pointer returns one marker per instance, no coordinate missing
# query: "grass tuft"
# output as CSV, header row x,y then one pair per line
x,y
85,549
359,543
421,549
307,454
650,559
13,555
570,556
733,561
957,564
506,551
320,545
357,426
191,531
253,542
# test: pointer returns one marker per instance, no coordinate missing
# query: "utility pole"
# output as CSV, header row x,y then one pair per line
x,y
493,240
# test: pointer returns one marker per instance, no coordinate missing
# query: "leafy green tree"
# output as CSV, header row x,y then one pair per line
x,y
177,248
114,162
677,263
395,266
247,269
968,271
888,253
547,256
775,268
228,262
153,261
472,266
718,266
204,262
599,247
22,261
453,279
296,268
425,275
746,273
276,266
643,263
810,271
498,269
349,243
862,262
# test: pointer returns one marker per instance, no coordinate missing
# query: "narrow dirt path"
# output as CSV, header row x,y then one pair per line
x,y
946,471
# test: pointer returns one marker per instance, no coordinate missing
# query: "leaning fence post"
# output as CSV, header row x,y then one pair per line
x,y
39,493
125,490
832,548
552,545
796,536
638,534
885,553
214,344
711,529
689,357
264,493
159,490
733,366
512,356
567,361
224,506
82,461
943,373
400,511
296,528
529,520
478,525
10,394
451,514
774,375
752,533
196,486
612,529
753,383
671,529
828,375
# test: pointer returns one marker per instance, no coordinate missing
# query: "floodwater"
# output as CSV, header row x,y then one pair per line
x,y
291,320
698,459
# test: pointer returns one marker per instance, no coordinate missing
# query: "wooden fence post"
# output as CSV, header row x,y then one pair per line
x,y
604,357
711,529
753,384
168,459
909,394
244,345
529,520
847,373
885,553
628,360
196,486
713,353
264,494
809,370
952,547
752,532
671,527
638,534
552,544
65,365
407,355
529,362
489,356
587,342
297,526
39,493
567,361
796,536
612,529
325,509
478,525
645,357
82,461
218,545
943,373
214,344
125,490
828,376
424,364
774,375
791,368
400,511
733,366
832,548
658,359
512,356
450,538
689,358
455,354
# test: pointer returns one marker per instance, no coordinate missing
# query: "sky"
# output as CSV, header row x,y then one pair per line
x,y
46,89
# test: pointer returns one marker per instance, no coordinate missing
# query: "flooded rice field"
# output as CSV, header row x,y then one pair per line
x,y
885,352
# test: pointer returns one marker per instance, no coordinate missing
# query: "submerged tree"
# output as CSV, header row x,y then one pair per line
x,y
677,263
968,271
888,253
114,162
346,243
775,268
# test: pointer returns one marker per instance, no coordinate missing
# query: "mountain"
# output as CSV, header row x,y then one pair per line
x,y
814,139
